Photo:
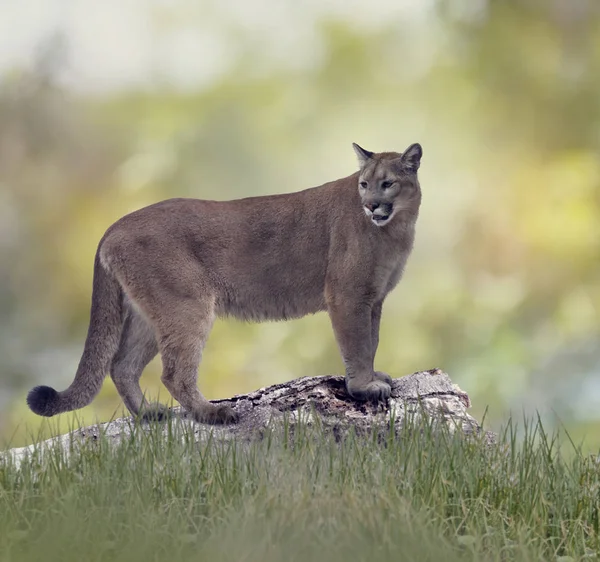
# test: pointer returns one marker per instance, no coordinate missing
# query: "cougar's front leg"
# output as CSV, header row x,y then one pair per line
x,y
375,322
352,325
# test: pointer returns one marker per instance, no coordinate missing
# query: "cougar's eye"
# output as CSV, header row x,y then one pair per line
x,y
363,184
386,185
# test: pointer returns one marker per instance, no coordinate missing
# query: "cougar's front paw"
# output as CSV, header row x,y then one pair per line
x,y
381,376
373,391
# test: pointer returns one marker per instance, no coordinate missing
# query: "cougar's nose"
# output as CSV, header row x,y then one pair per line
x,y
371,206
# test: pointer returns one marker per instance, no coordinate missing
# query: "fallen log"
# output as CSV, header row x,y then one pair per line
x,y
430,393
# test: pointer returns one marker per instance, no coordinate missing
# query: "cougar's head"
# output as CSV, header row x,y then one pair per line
x,y
388,182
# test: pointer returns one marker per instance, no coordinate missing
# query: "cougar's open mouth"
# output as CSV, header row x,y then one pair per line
x,y
380,216
380,220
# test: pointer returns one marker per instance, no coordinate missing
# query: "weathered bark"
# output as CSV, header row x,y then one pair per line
x,y
431,392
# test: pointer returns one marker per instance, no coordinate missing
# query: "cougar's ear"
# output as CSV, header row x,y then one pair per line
x,y
411,157
363,155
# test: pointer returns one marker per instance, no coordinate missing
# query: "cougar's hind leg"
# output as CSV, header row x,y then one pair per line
x,y
176,299
181,341
137,348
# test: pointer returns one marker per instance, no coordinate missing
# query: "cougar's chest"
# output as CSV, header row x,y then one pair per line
x,y
391,269
386,277
395,275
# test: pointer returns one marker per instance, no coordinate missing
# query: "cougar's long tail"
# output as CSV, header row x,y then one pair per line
x,y
101,345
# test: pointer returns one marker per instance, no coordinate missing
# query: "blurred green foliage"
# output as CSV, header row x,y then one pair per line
x,y
503,288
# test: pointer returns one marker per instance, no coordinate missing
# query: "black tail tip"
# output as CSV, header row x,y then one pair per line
x,y
42,400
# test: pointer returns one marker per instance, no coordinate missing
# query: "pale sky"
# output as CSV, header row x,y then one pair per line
x,y
120,43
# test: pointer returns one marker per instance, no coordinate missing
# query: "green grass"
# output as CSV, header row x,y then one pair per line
x,y
421,496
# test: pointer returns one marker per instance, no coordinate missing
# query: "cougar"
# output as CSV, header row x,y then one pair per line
x,y
164,273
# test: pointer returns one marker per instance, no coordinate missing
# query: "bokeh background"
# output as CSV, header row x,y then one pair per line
x,y
109,106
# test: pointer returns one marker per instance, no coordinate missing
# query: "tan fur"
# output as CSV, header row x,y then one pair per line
x,y
165,272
